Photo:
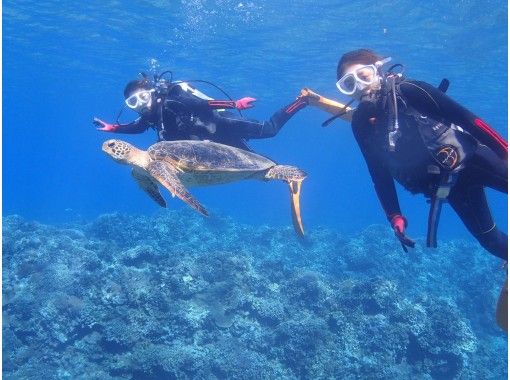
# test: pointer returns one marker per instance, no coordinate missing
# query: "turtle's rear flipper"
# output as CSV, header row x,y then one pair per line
x,y
294,177
295,192
166,176
150,186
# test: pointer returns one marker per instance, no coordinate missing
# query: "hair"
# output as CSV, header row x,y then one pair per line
x,y
137,84
360,56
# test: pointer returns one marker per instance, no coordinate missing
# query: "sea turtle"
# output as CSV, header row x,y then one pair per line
x,y
179,164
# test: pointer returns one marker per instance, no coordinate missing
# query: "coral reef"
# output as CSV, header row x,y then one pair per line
x,y
177,296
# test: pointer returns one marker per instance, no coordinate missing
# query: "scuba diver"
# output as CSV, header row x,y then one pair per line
x,y
178,111
412,132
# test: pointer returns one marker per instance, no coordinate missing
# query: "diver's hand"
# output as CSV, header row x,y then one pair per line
x,y
245,103
104,126
399,224
309,96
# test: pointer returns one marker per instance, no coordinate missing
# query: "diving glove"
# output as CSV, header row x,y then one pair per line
x,y
104,126
399,224
309,96
245,103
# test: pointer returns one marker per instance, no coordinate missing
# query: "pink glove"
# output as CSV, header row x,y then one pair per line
x,y
244,103
105,127
399,224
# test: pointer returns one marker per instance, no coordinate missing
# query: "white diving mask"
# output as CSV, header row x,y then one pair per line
x,y
360,77
140,99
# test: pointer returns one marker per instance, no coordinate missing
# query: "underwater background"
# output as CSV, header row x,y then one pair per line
x,y
99,283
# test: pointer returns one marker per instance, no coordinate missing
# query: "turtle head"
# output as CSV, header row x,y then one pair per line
x,y
119,150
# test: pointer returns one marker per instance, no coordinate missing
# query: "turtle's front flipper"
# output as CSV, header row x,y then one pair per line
x,y
294,177
150,186
166,176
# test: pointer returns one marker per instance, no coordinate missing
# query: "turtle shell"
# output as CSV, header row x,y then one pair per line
x,y
197,156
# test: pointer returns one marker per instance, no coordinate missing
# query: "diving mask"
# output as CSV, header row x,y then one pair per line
x,y
360,77
139,99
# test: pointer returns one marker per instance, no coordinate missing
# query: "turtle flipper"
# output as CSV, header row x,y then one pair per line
x,y
295,193
149,186
166,176
294,177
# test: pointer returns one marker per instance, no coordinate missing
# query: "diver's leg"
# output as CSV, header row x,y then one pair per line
x,y
470,203
488,169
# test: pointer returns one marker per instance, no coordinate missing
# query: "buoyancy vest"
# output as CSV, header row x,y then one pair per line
x,y
426,147
448,146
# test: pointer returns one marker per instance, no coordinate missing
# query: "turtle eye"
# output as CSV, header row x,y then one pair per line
x,y
111,145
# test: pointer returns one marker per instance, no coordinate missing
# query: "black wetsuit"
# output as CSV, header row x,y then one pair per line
x,y
485,164
181,115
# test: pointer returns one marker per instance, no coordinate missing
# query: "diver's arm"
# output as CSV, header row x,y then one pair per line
x,y
241,104
384,188
331,106
253,129
431,101
200,105
137,126
381,177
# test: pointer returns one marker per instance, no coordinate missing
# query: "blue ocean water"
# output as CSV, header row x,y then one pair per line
x,y
66,62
